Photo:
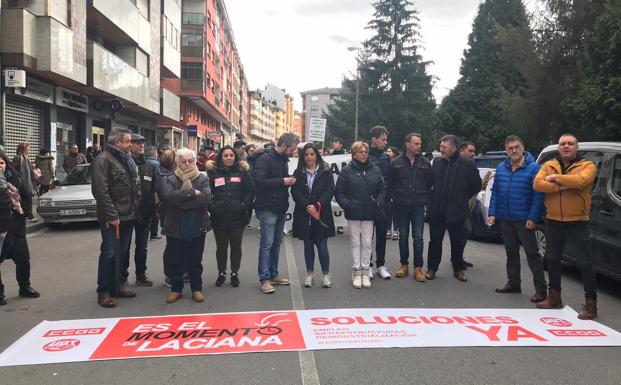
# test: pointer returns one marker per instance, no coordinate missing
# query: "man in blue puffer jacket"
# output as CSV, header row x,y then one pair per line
x,y
518,208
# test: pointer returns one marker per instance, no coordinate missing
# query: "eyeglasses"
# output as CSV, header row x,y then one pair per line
x,y
187,161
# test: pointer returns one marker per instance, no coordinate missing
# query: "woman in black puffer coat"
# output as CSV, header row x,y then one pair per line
x,y
232,192
359,188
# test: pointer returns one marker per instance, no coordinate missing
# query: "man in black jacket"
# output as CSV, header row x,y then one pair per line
x,y
272,181
377,156
147,173
410,179
115,188
456,180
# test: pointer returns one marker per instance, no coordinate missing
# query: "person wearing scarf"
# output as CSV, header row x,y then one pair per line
x,y
186,195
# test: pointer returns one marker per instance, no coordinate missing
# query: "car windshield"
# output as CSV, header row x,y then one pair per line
x,y
488,162
79,175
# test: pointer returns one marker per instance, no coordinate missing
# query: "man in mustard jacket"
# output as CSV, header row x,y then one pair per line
x,y
567,182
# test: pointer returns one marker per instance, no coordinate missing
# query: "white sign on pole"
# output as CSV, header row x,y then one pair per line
x,y
317,130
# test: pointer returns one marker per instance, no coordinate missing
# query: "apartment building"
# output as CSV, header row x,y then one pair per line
x,y
262,119
316,102
89,66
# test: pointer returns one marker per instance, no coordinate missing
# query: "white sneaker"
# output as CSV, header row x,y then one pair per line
x,y
308,281
327,280
356,277
383,272
366,282
370,273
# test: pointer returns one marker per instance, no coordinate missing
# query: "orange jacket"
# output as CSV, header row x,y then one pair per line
x,y
574,202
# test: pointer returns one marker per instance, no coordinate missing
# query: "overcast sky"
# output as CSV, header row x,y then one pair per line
x,y
301,45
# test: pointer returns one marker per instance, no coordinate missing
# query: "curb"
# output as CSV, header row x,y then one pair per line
x,y
31,228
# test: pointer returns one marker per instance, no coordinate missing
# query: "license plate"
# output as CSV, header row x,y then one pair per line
x,y
68,212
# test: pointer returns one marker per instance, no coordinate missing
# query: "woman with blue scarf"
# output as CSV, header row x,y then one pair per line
x,y
186,195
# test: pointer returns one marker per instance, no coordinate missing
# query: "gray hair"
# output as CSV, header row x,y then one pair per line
x,y
184,152
117,134
451,139
289,139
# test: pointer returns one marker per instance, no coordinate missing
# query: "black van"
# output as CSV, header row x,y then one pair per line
x,y
605,221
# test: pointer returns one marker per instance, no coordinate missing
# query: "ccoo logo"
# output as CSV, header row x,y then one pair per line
x,y
60,345
558,322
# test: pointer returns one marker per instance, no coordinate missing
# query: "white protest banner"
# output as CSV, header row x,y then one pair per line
x,y
253,332
317,130
336,162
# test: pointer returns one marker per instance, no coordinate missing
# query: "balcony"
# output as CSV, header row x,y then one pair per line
x,y
171,60
111,74
170,104
198,52
120,20
41,43
193,86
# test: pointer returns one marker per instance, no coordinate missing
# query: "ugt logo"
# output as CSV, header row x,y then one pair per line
x,y
61,345
558,322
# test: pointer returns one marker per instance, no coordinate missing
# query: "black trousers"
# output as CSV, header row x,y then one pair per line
x,y
224,238
557,233
16,248
437,227
513,233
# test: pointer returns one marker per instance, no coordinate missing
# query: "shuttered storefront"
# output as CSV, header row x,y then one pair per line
x,y
24,121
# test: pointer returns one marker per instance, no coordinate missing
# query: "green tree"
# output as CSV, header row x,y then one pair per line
x,y
493,97
597,106
395,89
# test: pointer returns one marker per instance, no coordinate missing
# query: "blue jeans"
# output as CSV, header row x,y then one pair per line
x,y
272,227
414,215
322,250
105,271
186,256
140,252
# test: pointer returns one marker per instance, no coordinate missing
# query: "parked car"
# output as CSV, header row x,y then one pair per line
x,y
605,220
71,201
490,159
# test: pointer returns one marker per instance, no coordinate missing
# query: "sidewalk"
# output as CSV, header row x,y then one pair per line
x,y
31,227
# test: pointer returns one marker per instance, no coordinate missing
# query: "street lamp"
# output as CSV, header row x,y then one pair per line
x,y
357,90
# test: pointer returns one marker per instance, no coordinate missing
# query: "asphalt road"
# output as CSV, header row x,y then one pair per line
x,y
64,264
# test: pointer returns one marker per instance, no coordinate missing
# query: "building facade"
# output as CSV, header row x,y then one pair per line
x,y
88,68
298,125
316,102
262,119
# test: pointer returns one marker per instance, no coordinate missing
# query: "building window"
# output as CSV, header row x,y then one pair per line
x,y
314,108
195,18
191,37
314,98
192,71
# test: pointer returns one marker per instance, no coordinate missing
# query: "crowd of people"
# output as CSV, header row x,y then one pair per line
x,y
384,193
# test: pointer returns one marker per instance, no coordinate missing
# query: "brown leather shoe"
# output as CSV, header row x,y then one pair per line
x,y
173,297
403,272
124,292
197,296
553,301
538,297
104,300
431,275
589,310
508,288
418,275
460,276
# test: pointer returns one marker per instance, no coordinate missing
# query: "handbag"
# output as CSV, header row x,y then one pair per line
x,y
379,213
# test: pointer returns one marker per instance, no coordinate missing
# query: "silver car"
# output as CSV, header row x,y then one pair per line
x,y
71,201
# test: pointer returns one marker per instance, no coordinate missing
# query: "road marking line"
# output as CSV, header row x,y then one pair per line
x,y
308,368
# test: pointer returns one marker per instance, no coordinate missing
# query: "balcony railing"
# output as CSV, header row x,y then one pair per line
x,y
192,85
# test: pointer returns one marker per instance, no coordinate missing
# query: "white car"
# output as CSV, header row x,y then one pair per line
x,y
71,201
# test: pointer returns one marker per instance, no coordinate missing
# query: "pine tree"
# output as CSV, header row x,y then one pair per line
x,y
395,89
597,106
492,97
